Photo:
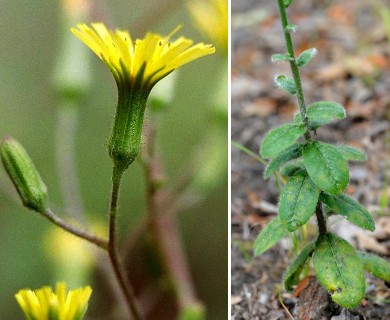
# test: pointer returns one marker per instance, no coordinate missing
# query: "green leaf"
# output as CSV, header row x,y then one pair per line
x,y
351,153
281,57
287,3
323,112
291,27
286,83
269,236
375,265
350,209
339,270
298,201
291,169
279,139
306,56
288,154
291,277
326,167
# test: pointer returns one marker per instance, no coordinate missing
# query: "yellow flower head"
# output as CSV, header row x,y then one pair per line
x,y
142,62
211,17
44,304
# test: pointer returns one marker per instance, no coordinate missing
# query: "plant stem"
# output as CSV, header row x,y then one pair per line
x,y
101,243
163,226
294,69
321,219
113,247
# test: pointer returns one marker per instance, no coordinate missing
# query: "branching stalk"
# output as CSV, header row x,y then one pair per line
x,y
101,243
162,224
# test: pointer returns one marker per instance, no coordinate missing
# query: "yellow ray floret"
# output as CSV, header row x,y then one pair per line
x,y
44,304
145,60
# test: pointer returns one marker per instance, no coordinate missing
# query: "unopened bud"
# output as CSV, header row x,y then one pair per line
x,y
24,175
193,312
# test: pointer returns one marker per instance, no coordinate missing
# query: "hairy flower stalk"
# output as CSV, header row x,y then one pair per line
x,y
136,66
44,304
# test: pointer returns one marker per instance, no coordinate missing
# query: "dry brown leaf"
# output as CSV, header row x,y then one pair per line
x,y
301,286
332,72
262,107
369,243
236,300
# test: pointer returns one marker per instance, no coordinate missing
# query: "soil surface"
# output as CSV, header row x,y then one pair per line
x,y
352,67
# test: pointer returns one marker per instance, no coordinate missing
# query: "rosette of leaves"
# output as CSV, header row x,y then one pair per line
x,y
317,176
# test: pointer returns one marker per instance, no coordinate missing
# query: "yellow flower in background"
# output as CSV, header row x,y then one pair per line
x,y
140,62
44,304
211,16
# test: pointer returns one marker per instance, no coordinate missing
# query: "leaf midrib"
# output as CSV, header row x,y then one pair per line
x,y
326,165
335,260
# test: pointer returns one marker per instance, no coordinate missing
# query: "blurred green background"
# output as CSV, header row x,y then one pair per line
x,y
30,39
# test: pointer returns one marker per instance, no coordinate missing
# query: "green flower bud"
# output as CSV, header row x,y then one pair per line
x,y
194,311
24,175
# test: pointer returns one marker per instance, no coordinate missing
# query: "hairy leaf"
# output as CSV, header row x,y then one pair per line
x,y
281,57
339,270
279,139
291,169
291,277
288,154
350,209
326,167
375,265
298,201
286,83
351,153
306,56
323,112
269,236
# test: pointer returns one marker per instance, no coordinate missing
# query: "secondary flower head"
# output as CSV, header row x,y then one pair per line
x,y
44,304
140,62
211,16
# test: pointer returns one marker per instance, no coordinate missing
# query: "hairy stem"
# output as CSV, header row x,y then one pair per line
x,y
113,252
101,243
294,68
321,219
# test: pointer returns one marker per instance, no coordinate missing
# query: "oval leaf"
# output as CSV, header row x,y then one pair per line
x,y
375,265
290,153
306,56
323,112
272,233
298,201
281,57
351,153
286,83
326,167
339,270
350,209
291,277
279,139
291,169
